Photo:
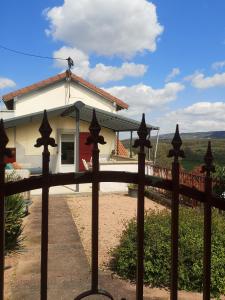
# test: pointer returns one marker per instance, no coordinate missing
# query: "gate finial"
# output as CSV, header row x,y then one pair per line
x,y
142,134
208,158
45,131
176,152
95,128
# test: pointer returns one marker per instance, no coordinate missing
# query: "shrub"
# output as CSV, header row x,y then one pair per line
x,y
219,176
157,251
14,212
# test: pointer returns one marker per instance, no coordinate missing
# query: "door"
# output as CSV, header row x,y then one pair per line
x,y
85,150
67,152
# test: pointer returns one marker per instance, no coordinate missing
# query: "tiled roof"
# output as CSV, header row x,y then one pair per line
x,y
60,77
122,151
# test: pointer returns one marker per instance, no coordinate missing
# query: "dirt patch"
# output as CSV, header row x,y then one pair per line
x,y
11,262
114,211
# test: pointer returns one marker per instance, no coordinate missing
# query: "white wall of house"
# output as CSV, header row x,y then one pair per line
x,y
57,95
24,137
125,166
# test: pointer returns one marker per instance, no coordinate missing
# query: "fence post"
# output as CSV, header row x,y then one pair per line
x,y
3,142
208,168
176,152
142,142
45,140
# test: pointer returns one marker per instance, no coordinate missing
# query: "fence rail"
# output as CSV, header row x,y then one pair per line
x,y
172,181
190,179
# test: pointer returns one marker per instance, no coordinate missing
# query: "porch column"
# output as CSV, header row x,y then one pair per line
x,y
77,107
149,149
131,139
156,146
117,142
77,137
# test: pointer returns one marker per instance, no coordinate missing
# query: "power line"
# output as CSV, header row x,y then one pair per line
x,y
31,54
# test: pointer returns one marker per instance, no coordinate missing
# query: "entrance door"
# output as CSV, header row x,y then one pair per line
x,y
85,150
67,149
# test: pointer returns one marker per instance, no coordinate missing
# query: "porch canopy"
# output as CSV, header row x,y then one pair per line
x,y
82,112
106,119
117,123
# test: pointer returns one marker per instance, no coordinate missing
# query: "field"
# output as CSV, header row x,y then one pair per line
x,y
194,150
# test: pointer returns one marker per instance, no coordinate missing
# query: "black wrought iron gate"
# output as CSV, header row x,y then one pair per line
x,y
95,176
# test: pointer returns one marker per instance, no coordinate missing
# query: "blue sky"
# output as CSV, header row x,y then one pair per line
x,y
164,58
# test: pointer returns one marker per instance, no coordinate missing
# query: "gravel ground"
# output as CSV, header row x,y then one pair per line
x,y
114,211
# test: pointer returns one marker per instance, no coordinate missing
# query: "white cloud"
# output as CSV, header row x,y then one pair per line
x,y
144,98
199,80
200,116
6,83
172,74
218,65
118,27
100,73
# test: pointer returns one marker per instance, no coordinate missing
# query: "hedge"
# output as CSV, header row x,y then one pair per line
x,y
157,251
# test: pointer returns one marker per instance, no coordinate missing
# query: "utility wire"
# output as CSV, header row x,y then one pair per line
x,y
31,54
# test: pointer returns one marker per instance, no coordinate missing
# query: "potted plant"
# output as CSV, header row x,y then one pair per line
x,y
133,190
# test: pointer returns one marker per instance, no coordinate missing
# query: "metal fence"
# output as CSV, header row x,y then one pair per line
x,y
191,179
46,180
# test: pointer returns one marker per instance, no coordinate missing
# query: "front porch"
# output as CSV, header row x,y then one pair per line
x,y
115,164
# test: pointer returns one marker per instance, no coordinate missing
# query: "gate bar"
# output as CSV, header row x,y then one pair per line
x,y
45,140
176,152
95,218
142,142
94,139
3,142
208,168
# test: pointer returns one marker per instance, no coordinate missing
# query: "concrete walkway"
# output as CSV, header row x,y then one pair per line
x,y
68,269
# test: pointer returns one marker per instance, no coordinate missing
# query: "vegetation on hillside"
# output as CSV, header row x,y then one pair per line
x,y
194,150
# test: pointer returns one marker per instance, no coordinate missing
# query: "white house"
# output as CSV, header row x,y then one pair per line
x,y
69,101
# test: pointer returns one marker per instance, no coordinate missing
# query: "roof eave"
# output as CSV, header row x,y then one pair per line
x,y
61,77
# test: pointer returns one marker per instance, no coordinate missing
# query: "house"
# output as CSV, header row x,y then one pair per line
x,y
69,101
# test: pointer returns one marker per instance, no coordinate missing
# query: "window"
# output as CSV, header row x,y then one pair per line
x,y
67,149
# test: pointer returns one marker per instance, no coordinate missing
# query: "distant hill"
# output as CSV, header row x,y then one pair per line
x,y
196,135
185,136
194,146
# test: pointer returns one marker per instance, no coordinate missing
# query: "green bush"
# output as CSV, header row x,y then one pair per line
x,y
157,251
219,176
14,212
